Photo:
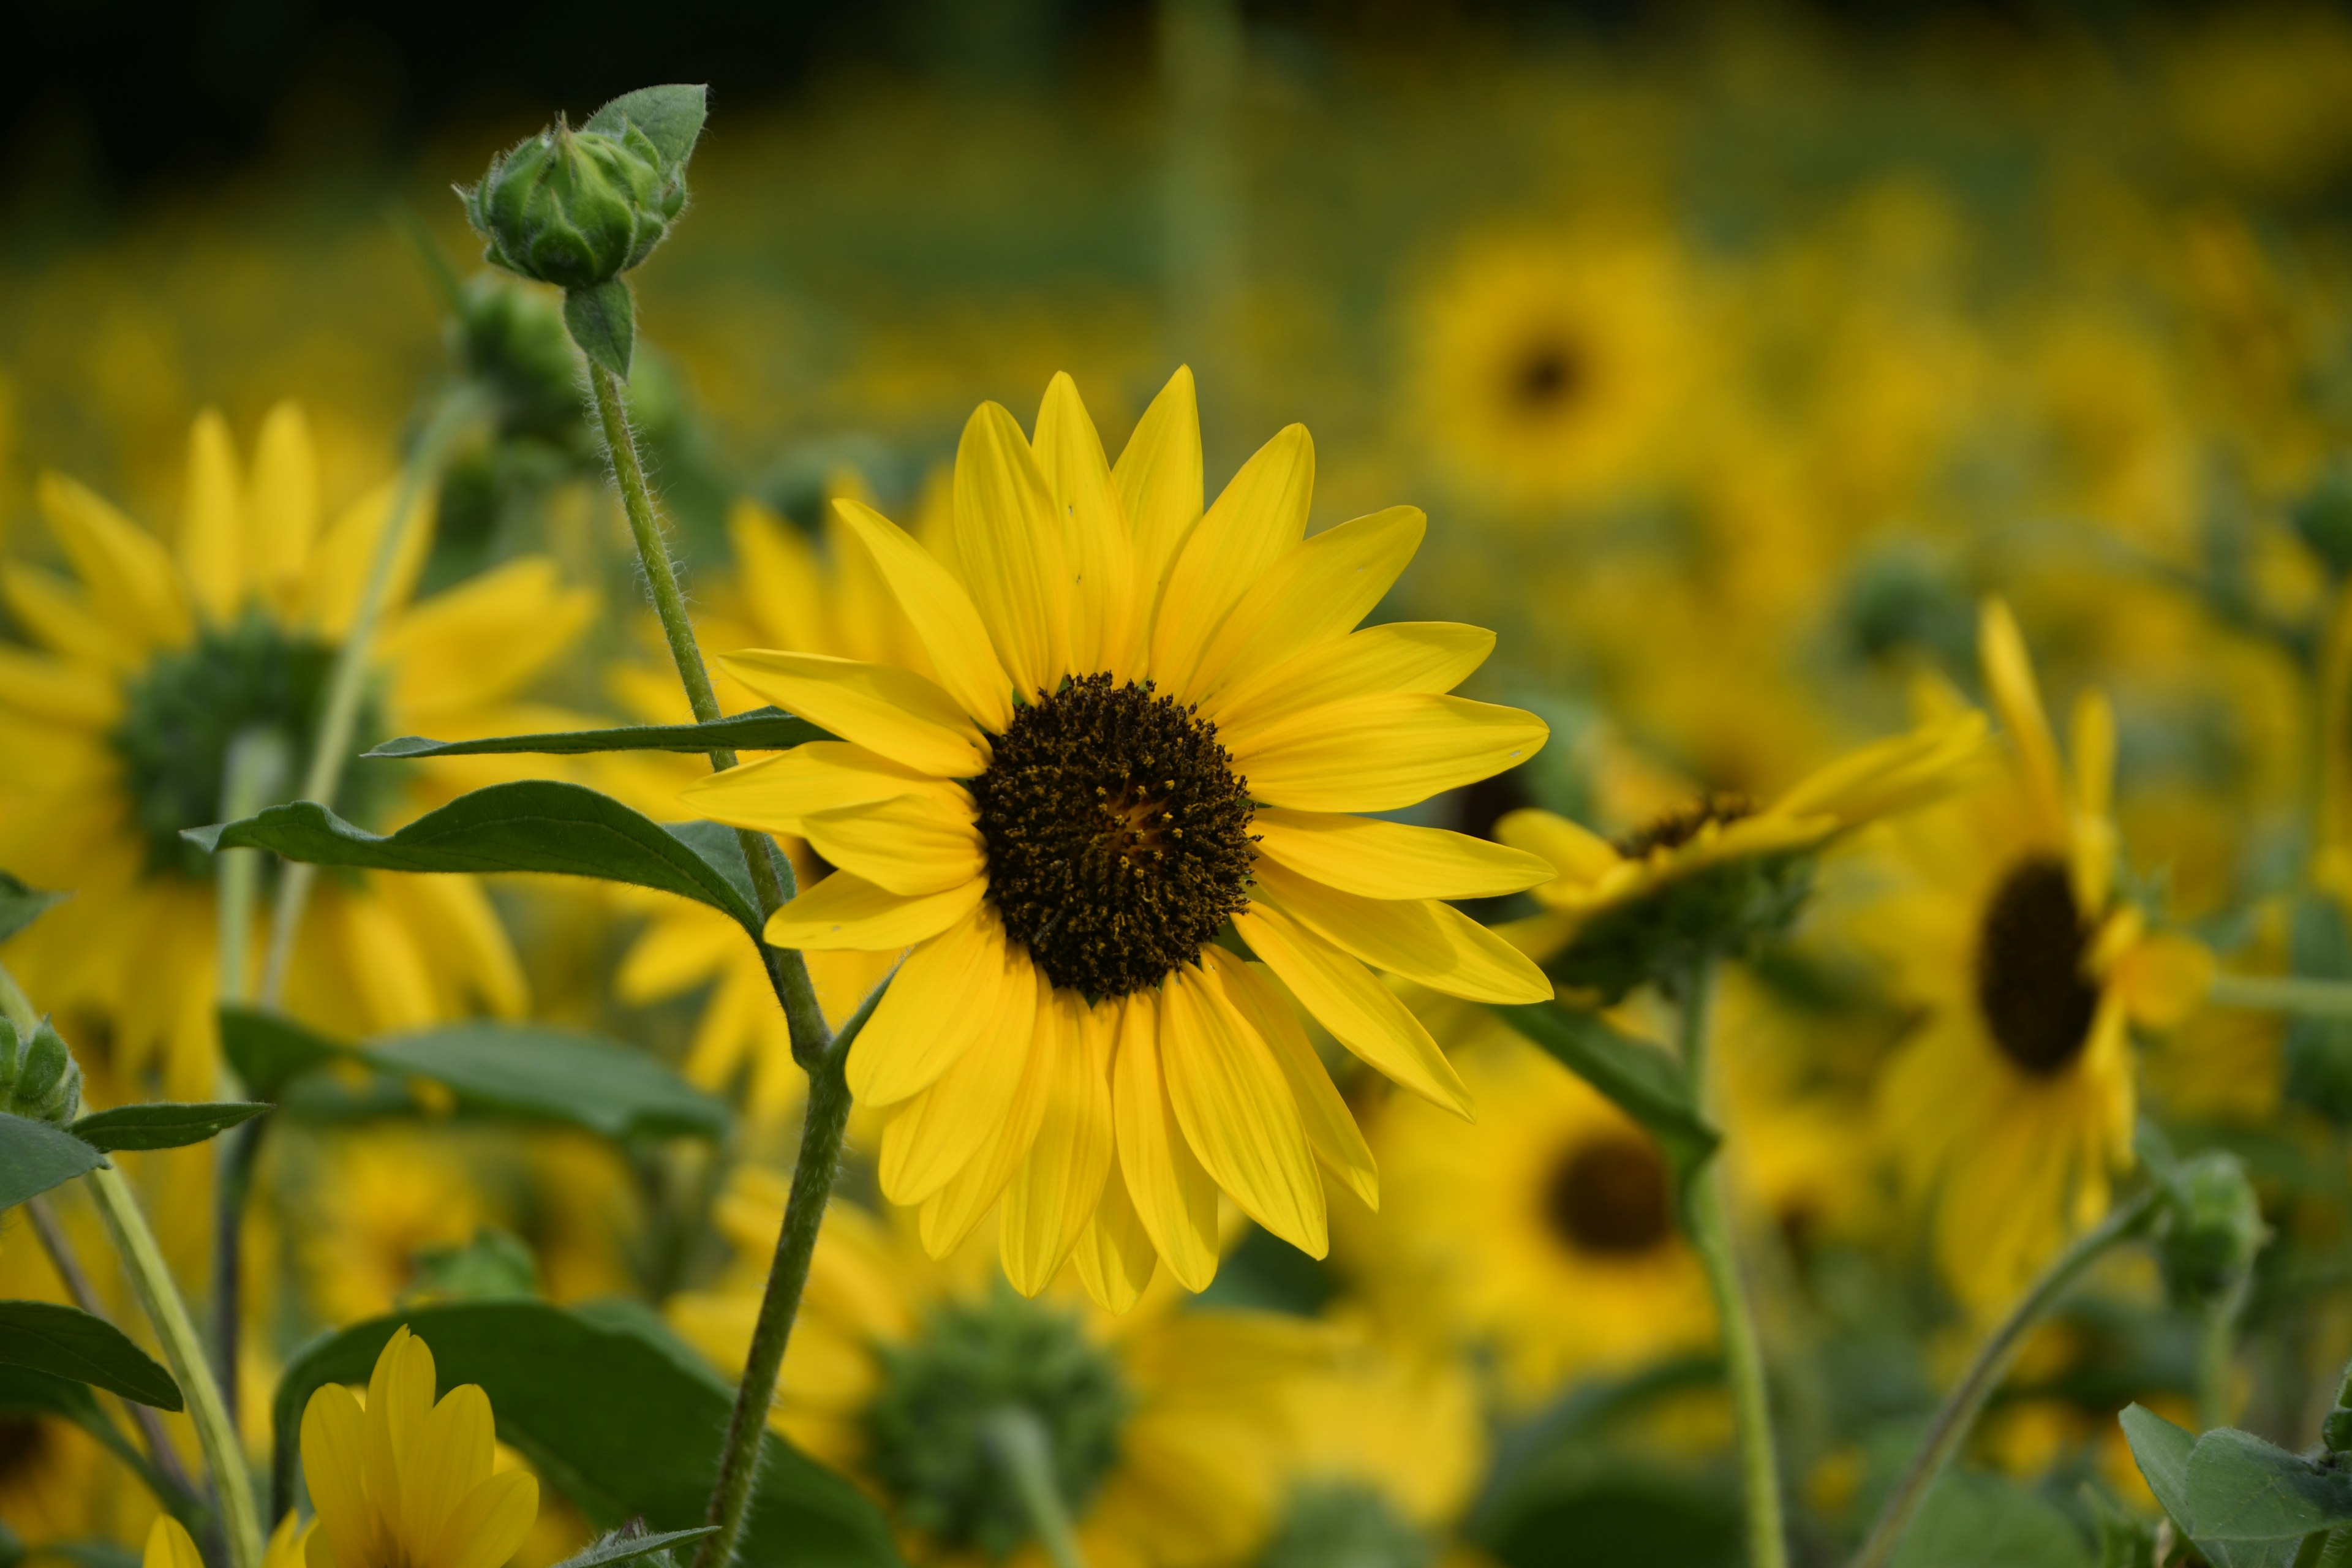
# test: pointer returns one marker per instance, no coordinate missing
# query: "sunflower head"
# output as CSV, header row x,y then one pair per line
x,y
1346,1524
928,1428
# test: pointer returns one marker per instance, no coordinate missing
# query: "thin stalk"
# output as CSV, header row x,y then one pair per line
x,y
827,1119
1959,1414
2298,994
1707,1219
1019,1443
2217,1353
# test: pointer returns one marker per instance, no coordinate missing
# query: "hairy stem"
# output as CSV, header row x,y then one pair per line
x,y
1706,1218
1017,1441
1959,1414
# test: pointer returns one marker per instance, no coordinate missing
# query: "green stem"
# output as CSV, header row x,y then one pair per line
x,y
1706,1218
2311,997
1020,1444
819,1163
1959,1414
2217,1353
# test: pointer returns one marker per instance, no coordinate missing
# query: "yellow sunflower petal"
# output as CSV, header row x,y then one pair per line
x,y
949,1214
915,843
1011,545
335,1466
1315,593
777,573
283,520
1404,655
212,530
1361,1013
774,794
1098,546
60,618
130,576
1331,1128
942,614
1422,940
945,997
2164,978
61,690
1260,514
1380,860
1115,1257
338,565
1580,855
1159,481
169,1545
939,1132
481,641
846,910
2017,696
1237,1114
1379,754
1052,1195
877,705
452,1455
1175,1200
2091,838
487,1528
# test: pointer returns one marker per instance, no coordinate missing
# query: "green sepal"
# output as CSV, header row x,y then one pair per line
x,y
760,730
20,905
671,117
67,1342
165,1124
603,321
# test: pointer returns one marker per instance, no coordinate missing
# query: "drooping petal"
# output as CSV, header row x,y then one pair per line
x,y
486,1528
1097,545
1052,1195
1314,593
1580,854
1361,1013
1174,1198
1420,939
1380,754
211,532
131,578
877,705
1403,656
846,911
1115,1257
1159,481
2091,836
1010,545
945,996
949,1213
284,516
942,614
774,794
1260,514
1237,1112
915,843
1331,1129
1377,859
940,1130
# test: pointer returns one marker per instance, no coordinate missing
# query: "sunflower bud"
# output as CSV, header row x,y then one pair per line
x,y
2217,1228
576,208
38,1077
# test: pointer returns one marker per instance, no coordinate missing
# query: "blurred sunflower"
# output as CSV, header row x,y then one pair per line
x,y
372,1204
1165,1427
784,594
1545,1236
1553,369
2015,1103
154,657
1150,720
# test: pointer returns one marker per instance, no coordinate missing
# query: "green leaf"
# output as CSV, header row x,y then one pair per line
x,y
536,825
2240,1488
760,730
603,323
20,905
670,116
269,1050
166,1124
620,1545
1638,1078
2161,1451
87,1553
35,1156
1971,1520
615,1418
553,1075
68,1342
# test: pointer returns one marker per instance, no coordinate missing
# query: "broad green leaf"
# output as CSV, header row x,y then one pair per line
x,y
68,1342
760,730
602,320
620,1545
2240,1488
535,825
1640,1080
269,1050
20,905
671,117
613,1416
167,1124
1971,1520
553,1075
35,1156
2161,1451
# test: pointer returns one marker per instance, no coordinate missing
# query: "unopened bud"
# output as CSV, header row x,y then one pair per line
x,y
2217,1226
576,208
38,1077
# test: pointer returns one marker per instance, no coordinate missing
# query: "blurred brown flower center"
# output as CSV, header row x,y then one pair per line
x,y
1607,1196
2030,988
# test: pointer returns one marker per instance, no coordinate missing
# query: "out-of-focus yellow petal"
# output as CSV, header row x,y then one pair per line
x,y
1379,754
131,578
1175,1200
283,516
1260,515
1582,856
1377,859
1237,1112
169,1545
340,562
877,705
846,911
942,614
482,640
2164,978
1010,545
2017,697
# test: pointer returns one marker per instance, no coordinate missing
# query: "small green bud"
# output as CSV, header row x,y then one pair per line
x,y
511,341
2322,519
38,1077
576,208
2217,1228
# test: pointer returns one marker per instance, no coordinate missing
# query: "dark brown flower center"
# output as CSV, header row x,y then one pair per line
x,y
1548,375
1679,827
1608,1196
1117,835
2030,988
23,1446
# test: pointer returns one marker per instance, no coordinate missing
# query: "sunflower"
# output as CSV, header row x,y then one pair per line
x,y
1148,725
169,1545
152,658
408,1480
1167,1427
2013,1106
1544,1238
783,594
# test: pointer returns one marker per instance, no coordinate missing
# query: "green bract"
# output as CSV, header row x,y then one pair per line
x,y
38,1077
576,208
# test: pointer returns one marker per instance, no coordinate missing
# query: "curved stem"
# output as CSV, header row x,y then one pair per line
x,y
1020,1445
1959,1414
1707,1219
